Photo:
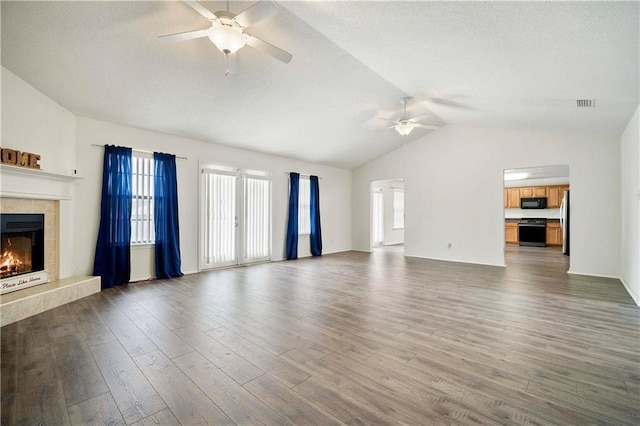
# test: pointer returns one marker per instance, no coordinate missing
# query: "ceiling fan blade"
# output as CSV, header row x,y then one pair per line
x,y
201,9
426,126
393,120
269,49
449,103
419,117
259,11
189,35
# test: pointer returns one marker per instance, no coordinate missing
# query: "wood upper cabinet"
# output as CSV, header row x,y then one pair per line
x,y
540,191
533,192
553,197
554,234
553,193
513,198
511,232
526,192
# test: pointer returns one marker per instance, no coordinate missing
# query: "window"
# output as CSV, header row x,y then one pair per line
x,y
378,218
142,224
398,208
304,206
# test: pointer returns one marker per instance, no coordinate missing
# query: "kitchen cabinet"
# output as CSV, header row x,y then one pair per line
x,y
526,192
554,233
513,198
533,192
553,197
553,193
540,191
511,231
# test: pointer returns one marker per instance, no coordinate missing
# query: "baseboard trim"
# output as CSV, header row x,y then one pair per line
x,y
635,297
593,274
361,251
499,265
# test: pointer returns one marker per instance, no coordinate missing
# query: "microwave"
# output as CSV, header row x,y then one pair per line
x,y
533,203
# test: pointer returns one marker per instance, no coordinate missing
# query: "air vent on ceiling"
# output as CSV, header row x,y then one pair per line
x,y
586,103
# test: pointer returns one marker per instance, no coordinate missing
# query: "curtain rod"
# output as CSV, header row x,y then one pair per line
x,y
139,150
301,174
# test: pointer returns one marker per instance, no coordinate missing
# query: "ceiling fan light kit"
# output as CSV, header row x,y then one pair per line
x,y
404,127
227,37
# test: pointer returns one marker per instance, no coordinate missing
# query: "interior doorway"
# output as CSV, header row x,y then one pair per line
x,y
537,213
387,216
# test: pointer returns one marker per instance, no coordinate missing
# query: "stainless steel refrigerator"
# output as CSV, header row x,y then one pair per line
x,y
565,223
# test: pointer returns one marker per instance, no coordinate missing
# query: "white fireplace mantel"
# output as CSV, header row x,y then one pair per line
x,y
22,182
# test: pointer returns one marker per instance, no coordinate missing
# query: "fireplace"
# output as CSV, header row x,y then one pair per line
x,y
22,245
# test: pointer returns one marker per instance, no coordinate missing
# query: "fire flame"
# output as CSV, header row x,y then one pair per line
x,y
9,264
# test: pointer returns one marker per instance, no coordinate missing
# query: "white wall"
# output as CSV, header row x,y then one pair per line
x,y
32,122
391,235
630,177
335,191
454,193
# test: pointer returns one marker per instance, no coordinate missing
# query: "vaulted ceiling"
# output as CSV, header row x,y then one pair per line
x,y
499,64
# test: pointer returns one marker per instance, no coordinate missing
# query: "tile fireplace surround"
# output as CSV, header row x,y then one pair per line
x,y
34,191
50,208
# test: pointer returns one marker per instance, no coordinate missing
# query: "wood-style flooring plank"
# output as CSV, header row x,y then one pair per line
x,y
99,410
263,359
165,339
134,341
222,357
287,403
236,402
164,417
76,368
133,394
43,404
185,399
357,338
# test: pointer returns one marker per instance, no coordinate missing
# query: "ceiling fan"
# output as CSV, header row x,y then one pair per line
x,y
227,31
405,125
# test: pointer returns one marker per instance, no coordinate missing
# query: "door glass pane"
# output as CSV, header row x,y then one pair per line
x,y
220,219
256,233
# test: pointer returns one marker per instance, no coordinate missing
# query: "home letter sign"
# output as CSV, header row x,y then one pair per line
x,y
20,159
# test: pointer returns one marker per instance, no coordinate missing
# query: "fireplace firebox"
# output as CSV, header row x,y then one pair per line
x,y
21,247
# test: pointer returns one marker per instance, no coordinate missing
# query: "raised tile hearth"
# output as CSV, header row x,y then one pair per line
x,y
24,303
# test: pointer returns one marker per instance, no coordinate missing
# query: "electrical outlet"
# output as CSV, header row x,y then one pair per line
x,y
448,245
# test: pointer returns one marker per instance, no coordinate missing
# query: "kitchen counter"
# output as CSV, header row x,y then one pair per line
x,y
531,213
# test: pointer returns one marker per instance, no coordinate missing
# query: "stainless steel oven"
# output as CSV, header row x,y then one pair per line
x,y
532,232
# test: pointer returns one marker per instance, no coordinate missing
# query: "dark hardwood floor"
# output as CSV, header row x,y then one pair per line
x,y
347,338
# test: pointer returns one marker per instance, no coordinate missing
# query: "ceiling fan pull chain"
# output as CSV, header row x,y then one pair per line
x,y
227,71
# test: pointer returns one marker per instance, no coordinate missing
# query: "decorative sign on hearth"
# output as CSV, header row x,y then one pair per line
x,y
23,281
14,157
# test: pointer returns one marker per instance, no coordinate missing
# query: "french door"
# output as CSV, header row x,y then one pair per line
x,y
236,218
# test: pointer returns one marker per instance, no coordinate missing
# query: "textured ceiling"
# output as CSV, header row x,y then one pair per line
x,y
517,65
